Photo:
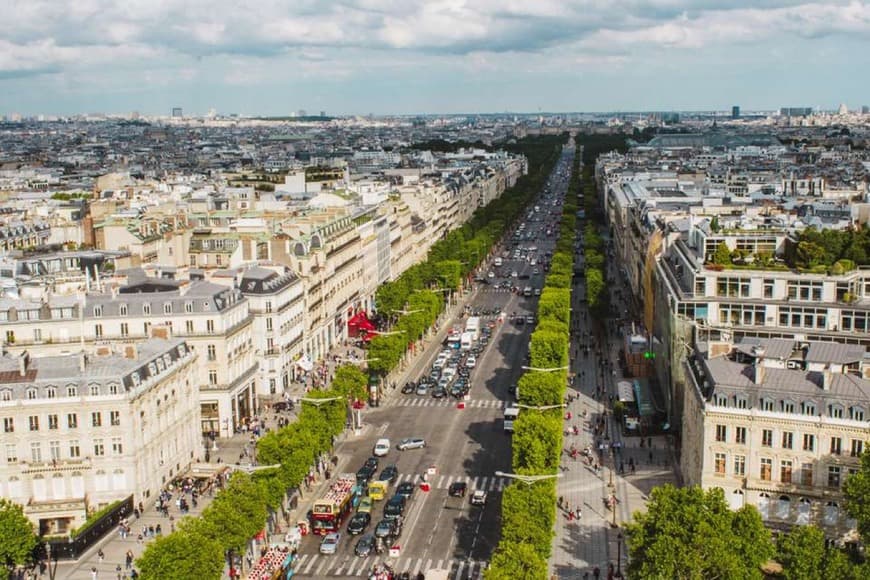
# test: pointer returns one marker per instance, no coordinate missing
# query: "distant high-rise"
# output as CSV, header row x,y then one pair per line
x,y
865,109
177,112
735,112
301,113
322,113
796,111
843,110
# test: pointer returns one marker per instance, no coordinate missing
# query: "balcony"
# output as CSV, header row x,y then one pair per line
x,y
34,467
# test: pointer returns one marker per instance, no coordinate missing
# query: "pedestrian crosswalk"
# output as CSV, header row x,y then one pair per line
x,y
320,566
414,401
488,483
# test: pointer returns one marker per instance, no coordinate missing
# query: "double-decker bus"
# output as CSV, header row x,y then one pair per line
x,y
333,508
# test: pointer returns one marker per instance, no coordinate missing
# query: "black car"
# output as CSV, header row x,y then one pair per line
x,y
365,546
372,462
458,391
439,392
358,523
457,489
389,473
389,528
395,507
405,489
408,388
364,475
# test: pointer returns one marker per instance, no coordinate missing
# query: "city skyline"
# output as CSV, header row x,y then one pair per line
x,y
388,57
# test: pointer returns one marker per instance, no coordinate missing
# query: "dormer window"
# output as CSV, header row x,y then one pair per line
x,y
720,400
835,411
808,408
146,308
122,310
6,395
788,406
72,391
767,404
856,413
188,307
167,308
32,393
98,311
94,390
741,402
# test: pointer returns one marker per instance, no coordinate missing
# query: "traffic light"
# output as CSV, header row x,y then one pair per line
x,y
649,355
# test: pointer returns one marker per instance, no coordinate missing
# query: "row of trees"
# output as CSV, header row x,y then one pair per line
x,y
529,510
593,248
414,300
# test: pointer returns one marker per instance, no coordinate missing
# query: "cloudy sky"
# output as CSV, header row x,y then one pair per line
x,y
411,56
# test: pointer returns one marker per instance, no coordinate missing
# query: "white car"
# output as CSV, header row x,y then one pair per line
x,y
471,361
478,497
411,443
382,447
329,545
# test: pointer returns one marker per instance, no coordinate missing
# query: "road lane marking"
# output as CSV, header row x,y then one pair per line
x,y
383,428
323,563
417,566
406,565
459,568
310,564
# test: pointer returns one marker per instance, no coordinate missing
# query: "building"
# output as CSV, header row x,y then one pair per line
x,y
81,431
778,424
735,112
177,113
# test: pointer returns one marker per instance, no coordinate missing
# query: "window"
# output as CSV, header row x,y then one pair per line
x,y
766,468
11,453
768,288
785,471
125,329
720,400
809,442
856,413
209,325
114,418
167,308
788,406
36,452
37,334
94,390
740,435
834,476
188,326
719,463
72,391
808,408
767,404
188,307
787,440
72,421
212,377
117,446
857,447
146,308
146,328
32,394
741,402
98,311
74,449
268,306
99,448
836,445
54,450
740,465
835,411
122,310
98,330
268,325
33,422
212,352
10,337
52,422
6,395
8,425
50,393
113,389
96,419
721,433
807,474
767,437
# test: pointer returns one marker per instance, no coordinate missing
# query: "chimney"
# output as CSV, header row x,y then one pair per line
x,y
758,366
160,331
130,351
23,363
827,378
83,361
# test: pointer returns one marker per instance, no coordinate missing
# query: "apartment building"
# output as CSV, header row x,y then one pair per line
x,y
778,424
214,319
83,430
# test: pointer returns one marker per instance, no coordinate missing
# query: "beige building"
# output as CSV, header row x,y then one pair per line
x,y
778,424
81,431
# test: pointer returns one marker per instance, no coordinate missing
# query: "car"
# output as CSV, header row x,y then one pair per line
x,y
537,291
382,447
471,362
411,443
408,388
491,275
364,475
365,545
358,523
390,473
439,393
458,391
373,462
515,274
329,544
457,489
478,497
536,271
444,383
389,528
365,505
422,389
405,489
530,319
395,507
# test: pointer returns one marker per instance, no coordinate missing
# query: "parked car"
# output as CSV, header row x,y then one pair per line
x,y
439,392
373,462
471,362
329,544
422,389
365,546
411,443
364,475
457,489
358,523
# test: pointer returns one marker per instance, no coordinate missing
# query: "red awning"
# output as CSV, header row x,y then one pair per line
x,y
359,323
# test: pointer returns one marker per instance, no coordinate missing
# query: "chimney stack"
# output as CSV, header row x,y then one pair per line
x,y
23,363
827,378
758,366
130,351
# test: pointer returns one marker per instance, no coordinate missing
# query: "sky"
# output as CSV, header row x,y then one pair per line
x,y
274,57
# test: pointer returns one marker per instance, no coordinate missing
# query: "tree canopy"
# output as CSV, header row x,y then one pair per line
x,y
17,536
180,556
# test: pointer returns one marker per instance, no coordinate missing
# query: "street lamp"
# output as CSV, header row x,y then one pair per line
x,y
378,332
528,479
619,555
406,312
546,370
318,402
541,407
252,468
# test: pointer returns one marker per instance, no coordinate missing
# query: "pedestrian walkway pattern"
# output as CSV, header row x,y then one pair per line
x,y
321,566
419,401
486,482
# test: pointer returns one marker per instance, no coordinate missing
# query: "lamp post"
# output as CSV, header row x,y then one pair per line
x,y
528,479
545,370
540,407
619,555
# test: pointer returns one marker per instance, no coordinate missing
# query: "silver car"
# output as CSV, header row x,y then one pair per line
x,y
411,443
329,545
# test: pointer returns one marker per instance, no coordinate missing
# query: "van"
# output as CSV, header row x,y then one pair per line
x,y
382,447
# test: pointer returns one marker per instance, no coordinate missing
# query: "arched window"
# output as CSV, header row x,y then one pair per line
x,y
50,392
783,507
720,400
764,505
832,513
804,511
32,393
856,413
72,391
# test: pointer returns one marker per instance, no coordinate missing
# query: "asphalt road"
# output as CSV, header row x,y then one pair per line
x,y
442,532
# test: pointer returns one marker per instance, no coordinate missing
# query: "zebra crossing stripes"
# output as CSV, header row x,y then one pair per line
x,y
488,483
430,402
320,566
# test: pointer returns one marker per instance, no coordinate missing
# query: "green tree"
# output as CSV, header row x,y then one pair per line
x,y
528,515
722,255
810,255
513,561
856,489
181,556
17,537
801,552
538,389
537,441
664,541
350,382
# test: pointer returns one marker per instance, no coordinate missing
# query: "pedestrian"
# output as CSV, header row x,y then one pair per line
x,y
579,513
100,555
128,559
650,458
596,572
119,573
94,573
